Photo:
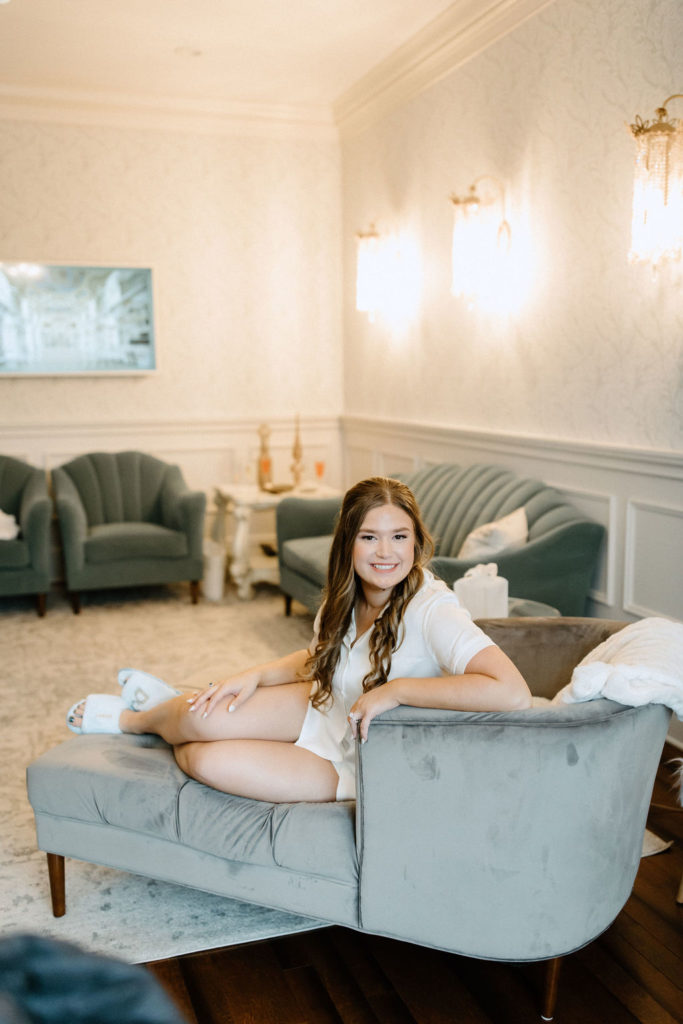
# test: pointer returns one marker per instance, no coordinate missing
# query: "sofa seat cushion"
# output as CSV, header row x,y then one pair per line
x,y
117,780
14,554
134,783
308,556
115,542
313,839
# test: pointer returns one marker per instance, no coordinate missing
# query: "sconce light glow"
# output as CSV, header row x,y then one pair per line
x,y
657,226
368,272
481,243
387,277
401,281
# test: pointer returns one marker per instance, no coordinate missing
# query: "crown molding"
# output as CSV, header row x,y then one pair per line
x,y
65,106
461,32
464,30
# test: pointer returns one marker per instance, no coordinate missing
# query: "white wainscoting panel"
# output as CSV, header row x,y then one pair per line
x,y
653,578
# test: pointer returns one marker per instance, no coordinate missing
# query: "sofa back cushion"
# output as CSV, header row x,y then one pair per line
x,y
13,477
118,487
454,501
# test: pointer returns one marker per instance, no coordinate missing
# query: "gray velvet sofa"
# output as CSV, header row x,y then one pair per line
x,y
25,560
505,836
127,519
555,567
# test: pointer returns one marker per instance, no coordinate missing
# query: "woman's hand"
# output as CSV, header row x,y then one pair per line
x,y
236,690
368,706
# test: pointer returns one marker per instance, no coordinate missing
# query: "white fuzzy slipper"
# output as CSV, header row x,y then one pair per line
x,y
141,691
100,714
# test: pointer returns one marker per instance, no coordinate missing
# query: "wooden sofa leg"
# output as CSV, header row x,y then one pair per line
x,y
194,591
552,980
288,605
55,870
75,601
41,604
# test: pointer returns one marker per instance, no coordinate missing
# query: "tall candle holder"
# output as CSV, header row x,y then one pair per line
x,y
297,466
264,468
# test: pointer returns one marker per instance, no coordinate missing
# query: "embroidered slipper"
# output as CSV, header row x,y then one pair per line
x,y
141,691
100,714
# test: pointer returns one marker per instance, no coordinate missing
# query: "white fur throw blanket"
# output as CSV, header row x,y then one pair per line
x,y
9,528
641,664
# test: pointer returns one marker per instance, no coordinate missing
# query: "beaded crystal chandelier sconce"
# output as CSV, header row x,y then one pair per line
x,y
657,229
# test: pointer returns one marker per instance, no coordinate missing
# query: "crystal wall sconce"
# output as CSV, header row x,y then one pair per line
x,y
657,226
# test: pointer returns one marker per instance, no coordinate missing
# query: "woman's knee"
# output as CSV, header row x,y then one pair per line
x,y
190,757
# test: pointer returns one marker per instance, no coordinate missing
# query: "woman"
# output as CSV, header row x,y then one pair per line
x,y
387,633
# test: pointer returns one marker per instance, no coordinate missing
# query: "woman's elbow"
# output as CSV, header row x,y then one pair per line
x,y
519,695
521,701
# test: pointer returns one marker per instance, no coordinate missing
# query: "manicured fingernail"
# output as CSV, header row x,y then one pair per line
x,y
205,714
231,708
364,740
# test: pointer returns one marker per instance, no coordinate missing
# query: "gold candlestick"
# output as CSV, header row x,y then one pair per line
x,y
297,466
264,467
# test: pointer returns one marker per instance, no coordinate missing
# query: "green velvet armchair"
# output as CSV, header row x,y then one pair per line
x,y
127,519
24,559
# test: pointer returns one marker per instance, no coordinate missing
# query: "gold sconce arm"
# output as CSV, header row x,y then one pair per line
x,y
640,127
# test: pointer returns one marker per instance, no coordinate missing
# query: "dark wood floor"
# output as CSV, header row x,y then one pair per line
x,y
633,973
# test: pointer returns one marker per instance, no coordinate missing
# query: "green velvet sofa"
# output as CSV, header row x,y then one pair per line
x,y
502,835
127,519
25,559
555,566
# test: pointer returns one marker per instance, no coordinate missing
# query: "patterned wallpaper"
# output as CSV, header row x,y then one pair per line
x,y
593,349
243,235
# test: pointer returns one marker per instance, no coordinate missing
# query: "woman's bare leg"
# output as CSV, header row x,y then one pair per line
x,y
272,713
260,769
249,752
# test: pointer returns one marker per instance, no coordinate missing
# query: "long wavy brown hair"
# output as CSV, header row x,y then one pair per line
x,y
343,586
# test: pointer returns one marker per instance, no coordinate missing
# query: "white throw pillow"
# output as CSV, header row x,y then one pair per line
x,y
9,527
488,539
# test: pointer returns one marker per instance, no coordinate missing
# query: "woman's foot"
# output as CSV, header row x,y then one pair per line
x,y
141,691
97,713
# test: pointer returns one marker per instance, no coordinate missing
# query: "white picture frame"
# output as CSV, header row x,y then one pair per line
x,y
72,320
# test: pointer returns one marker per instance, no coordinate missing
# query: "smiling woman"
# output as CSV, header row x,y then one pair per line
x,y
383,553
387,633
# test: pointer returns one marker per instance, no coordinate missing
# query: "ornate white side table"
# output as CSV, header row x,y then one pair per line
x,y
248,566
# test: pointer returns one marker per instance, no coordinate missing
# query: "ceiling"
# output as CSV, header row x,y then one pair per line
x,y
298,53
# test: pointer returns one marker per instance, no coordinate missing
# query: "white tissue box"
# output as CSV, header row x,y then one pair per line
x,y
483,592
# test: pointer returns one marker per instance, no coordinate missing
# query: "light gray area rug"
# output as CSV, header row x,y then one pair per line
x,y
45,666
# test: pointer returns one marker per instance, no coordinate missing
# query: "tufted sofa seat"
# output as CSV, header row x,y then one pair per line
x,y
555,567
127,519
125,797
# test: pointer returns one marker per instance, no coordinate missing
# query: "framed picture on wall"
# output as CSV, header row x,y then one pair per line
x,y
75,320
